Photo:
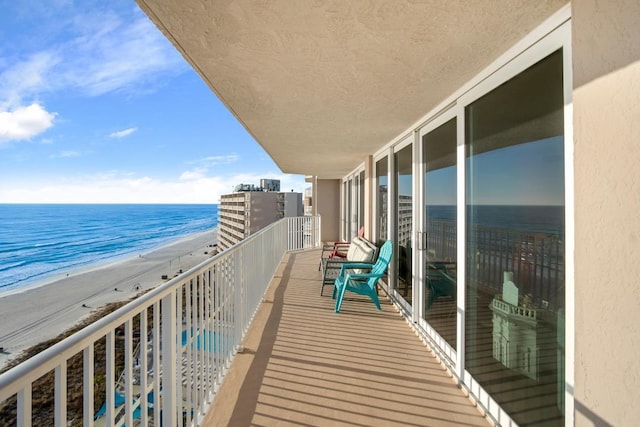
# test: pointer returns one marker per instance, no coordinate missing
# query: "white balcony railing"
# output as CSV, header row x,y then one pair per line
x,y
159,359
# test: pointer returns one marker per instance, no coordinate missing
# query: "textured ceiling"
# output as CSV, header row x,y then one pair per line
x,y
323,84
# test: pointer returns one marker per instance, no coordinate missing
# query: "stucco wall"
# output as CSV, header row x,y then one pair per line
x,y
328,205
606,55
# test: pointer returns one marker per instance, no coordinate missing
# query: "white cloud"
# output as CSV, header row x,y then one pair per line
x,y
219,160
122,133
105,53
66,154
121,187
25,78
23,123
114,54
197,173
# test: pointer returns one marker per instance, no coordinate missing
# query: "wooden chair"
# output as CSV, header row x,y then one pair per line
x,y
353,278
336,249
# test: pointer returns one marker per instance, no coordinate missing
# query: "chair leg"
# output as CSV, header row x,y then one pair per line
x,y
374,298
340,296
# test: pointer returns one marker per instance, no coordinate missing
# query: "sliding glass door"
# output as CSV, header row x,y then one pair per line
x,y
403,225
515,234
440,251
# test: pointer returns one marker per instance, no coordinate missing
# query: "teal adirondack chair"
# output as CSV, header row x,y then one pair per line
x,y
362,283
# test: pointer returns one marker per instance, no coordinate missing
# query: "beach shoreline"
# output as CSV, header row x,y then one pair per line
x,y
47,308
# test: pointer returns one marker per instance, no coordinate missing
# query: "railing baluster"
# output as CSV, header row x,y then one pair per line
x,y
192,379
24,406
60,401
204,342
128,373
169,362
143,368
178,320
155,349
109,380
88,374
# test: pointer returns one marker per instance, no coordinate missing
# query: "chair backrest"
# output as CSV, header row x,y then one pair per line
x,y
384,258
360,250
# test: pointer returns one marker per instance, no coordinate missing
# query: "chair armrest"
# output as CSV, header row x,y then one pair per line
x,y
332,245
350,265
334,248
354,265
361,276
334,262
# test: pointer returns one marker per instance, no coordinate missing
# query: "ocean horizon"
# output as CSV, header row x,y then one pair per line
x,y
42,241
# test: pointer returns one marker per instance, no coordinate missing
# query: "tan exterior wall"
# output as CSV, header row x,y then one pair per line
x,y
327,204
606,73
263,210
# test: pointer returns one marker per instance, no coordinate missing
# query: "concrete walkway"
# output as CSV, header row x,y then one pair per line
x,y
303,364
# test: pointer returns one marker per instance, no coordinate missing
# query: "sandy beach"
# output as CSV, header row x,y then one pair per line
x,y
34,315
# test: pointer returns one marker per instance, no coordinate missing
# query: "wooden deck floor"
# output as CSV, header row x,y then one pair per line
x,y
303,364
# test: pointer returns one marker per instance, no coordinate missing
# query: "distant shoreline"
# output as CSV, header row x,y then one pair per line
x,y
44,310
50,278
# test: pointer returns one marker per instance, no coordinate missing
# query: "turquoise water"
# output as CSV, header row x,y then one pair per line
x,y
40,241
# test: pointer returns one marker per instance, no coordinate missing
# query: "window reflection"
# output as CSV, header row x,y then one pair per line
x,y
404,221
382,170
514,335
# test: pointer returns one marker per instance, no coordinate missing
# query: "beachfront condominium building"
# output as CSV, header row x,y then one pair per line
x,y
512,124
250,209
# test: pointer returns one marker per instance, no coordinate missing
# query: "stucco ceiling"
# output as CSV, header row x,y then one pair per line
x,y
322,84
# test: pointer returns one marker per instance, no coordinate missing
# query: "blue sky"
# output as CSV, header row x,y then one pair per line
x,y
96,106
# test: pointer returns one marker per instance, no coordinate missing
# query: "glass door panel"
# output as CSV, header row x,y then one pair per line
x,y
404,221
440,281
514,331
382,200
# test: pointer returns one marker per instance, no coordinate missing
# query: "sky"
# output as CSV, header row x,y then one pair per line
x,y
96,106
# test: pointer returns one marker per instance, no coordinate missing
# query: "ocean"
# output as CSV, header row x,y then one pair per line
x,y
42,241
525,219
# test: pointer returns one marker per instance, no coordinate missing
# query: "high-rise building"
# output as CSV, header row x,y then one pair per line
x,y
308,201
246,211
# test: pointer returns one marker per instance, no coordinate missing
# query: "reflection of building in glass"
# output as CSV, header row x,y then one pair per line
x,y
250,209
405,219
383,210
